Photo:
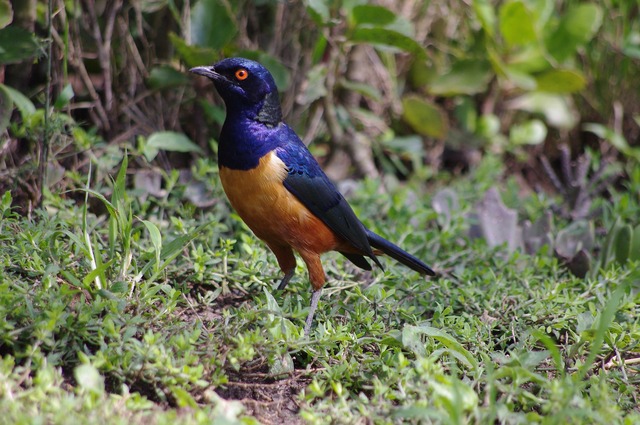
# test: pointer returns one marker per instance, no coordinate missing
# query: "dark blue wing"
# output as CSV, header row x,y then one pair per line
x,y
307,182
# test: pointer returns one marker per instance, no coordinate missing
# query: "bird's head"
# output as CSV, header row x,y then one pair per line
x,y
245,86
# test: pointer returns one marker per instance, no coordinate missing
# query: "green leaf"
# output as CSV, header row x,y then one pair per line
x,y
631,45
561,81
387,38
164,77
607,251
88,378
6,14
319,11
485,13
488,126
424,117
512,73
464,77
193,55
362,88
372,15
517,23
315,88
183,398
22,102
617,140
64,97
272,304
622,244
606,319
17,45
529,59
411,339
532,132
169,141
634,252
97,272
212,24
558,110
6,110
156,239
578,26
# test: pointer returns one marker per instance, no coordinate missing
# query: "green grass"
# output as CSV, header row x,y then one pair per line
x,y
182,323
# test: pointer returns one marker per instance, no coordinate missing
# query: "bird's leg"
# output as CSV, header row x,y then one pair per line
x,y
315,297
285,280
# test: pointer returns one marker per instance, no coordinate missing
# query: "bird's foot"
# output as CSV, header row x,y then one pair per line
x,y
315,297
285,280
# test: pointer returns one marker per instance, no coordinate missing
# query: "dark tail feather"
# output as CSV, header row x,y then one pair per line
x,y
398,253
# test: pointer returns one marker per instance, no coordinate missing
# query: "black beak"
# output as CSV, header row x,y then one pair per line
x,y
207,71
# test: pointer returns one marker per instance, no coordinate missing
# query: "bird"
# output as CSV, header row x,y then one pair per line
x,y
278,188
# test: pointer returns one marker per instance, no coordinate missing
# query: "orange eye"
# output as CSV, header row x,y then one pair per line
x,y
242,74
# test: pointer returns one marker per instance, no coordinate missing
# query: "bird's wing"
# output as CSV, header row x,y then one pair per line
x,y
307,182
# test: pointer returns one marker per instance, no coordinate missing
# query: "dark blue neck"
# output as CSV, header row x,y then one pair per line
x,y
243,141
249,132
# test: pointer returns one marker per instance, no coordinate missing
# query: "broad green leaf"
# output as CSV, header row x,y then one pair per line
x,y
532,132
319,10
577,27
542,10
362,88
193,55
464,77
561,81
22,102
169,141
164,77
6,14
17,44
372,15
421,73
485,13
387,38
424,116
64,97
517,23
212,24
529,59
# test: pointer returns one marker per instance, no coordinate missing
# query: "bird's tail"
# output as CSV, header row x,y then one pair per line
x,y
398,253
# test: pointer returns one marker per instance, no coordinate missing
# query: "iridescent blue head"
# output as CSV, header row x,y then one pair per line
x,y
246,88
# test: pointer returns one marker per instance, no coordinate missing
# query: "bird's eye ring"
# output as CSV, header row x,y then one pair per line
x,y
242,74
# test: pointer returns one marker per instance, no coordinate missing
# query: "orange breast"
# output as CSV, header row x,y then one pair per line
x,y
271,211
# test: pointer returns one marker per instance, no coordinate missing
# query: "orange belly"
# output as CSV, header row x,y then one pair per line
x,y
273,213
